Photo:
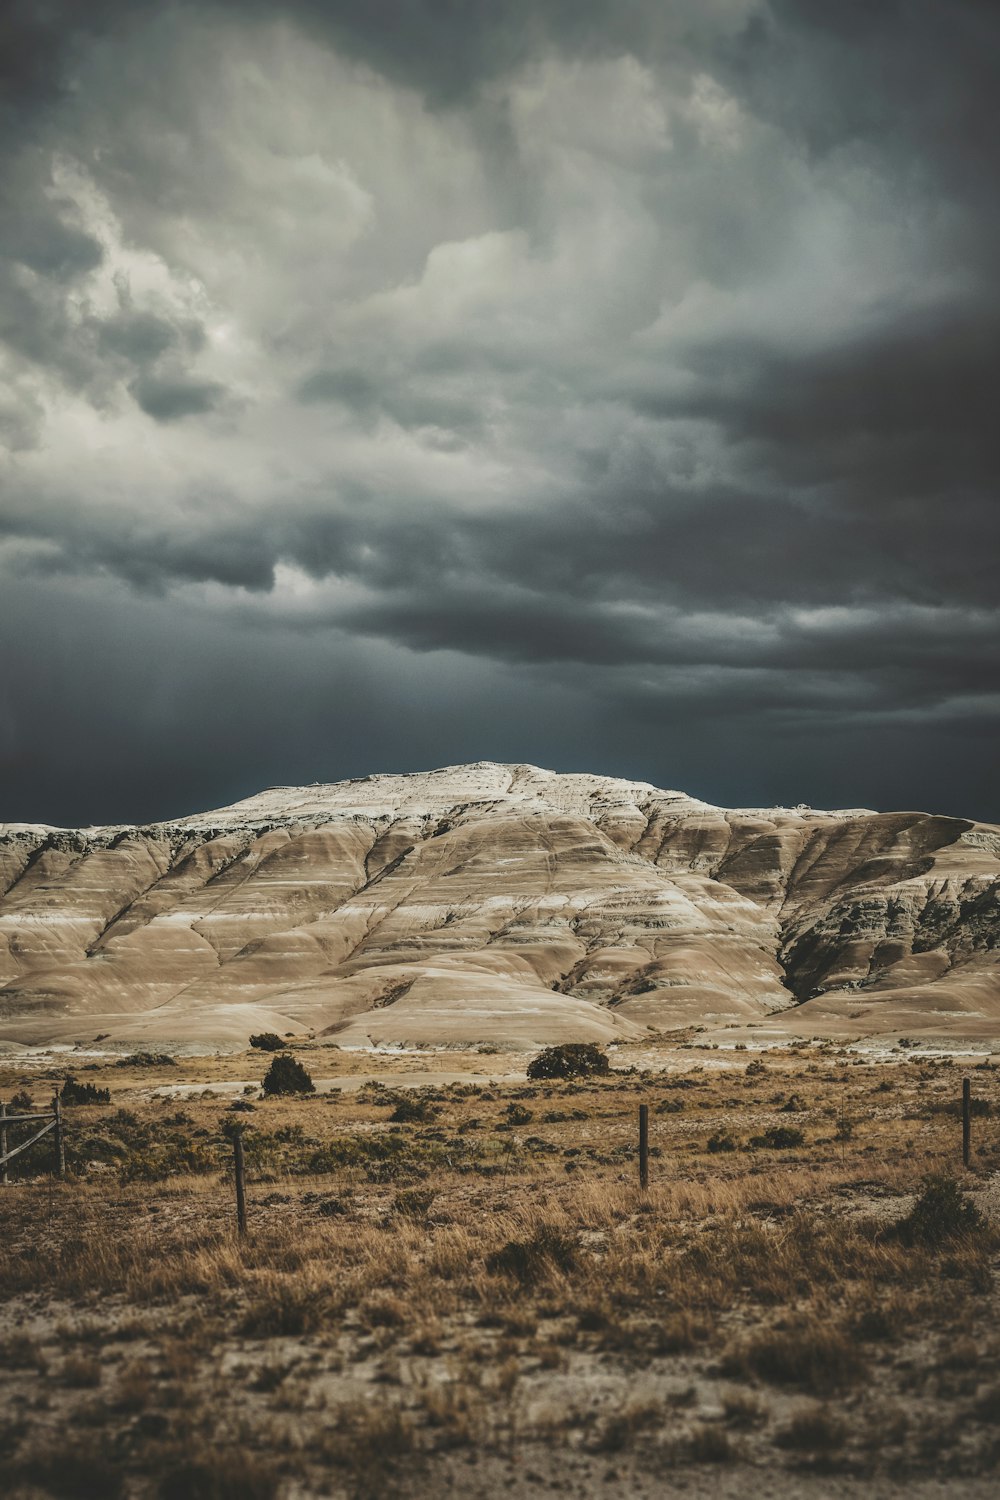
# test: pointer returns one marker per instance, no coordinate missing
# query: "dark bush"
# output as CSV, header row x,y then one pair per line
x,y
942,1212
778,1138
806,1353
286,1075
71,1469
517,1114
413,1203
267,1041
721,1141
571,1060
816,1431
83,1093
979,1109
411,1111
528,1260
221,1475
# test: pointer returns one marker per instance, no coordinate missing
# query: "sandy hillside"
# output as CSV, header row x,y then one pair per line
x,y
498,903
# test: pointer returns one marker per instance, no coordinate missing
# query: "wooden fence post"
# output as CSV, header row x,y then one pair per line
x,y
644,1146
60,1142
966,1120
241,1186
4,1178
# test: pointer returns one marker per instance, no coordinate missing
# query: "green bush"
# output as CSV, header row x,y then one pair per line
x,y
267,1041
571,1060
286,1075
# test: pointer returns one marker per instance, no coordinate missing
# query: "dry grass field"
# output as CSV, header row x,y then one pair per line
x,y
460,1285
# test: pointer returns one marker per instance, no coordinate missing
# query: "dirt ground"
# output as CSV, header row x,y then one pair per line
x,y
452,1279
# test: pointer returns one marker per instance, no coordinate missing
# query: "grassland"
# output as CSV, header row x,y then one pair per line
x,y
460,1284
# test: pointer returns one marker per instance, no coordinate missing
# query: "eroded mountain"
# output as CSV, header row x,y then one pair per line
x,y
497,903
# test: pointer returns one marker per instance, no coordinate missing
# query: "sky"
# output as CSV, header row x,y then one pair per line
x,y
604,384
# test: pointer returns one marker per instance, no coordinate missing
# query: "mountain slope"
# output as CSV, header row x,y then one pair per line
x,y
501,903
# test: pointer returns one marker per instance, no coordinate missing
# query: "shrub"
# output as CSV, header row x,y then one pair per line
x,y
80,1371
517,1114
528,1260
73,1469
413,1203
219,1475
287,1308
267,1041
812,1431
807,1353
21,1103
778,1138
721,1141
987,1407
286,1075
710,1445
942,1212
571,1060
146,1060
83,1093
411,1111
372,1446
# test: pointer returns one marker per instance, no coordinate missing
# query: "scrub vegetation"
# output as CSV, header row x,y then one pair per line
x,y
467,1272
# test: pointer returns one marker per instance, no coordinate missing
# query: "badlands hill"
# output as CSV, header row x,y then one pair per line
x,y
498,903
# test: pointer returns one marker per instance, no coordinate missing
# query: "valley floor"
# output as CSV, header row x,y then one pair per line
x,y
452,1281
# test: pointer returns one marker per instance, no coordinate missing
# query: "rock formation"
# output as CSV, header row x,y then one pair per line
x,y
497,903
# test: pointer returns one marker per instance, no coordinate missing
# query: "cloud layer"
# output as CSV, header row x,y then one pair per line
x,y
586,384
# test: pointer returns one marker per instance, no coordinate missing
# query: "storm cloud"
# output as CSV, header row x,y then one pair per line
x,y
603,386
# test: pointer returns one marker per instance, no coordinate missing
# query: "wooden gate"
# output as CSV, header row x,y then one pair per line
x,y
53,1124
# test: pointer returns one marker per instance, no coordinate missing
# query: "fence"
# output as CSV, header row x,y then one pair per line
x,y
53,1125
239,1158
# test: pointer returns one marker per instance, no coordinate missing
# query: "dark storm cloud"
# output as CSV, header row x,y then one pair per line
x,y
168,400
642,353
50,247
139,337
867,411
